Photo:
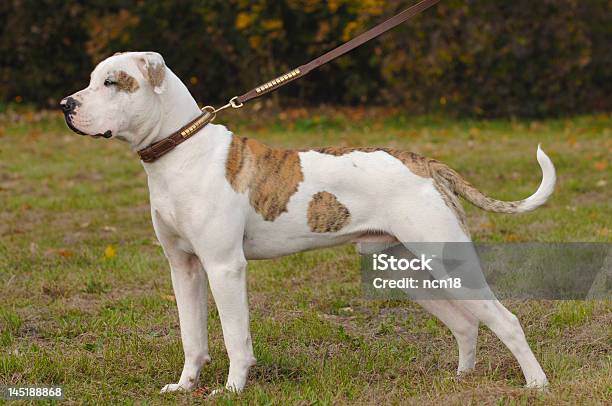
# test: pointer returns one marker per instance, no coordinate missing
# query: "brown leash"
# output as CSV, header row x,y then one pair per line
x,y
160,148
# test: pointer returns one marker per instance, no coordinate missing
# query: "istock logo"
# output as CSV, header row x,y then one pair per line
x,y
384,262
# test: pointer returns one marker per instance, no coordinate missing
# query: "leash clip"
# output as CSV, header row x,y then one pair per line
x,y
233,103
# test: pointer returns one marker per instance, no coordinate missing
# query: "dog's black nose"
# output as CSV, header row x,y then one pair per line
x,y
68,105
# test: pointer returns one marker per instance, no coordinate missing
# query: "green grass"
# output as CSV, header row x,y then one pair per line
x,y
105,326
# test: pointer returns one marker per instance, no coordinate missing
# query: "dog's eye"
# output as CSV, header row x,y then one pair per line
x,y
109,82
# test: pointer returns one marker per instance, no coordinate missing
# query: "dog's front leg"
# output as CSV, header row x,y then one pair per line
x,y
228,286
190,290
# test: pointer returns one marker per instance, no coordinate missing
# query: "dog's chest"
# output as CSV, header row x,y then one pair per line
x,y
165,214
170,207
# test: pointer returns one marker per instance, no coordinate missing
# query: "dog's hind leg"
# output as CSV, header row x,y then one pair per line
x,y
507,327
461,323
444,227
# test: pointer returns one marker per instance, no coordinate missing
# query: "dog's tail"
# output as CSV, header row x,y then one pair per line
x,y
460,186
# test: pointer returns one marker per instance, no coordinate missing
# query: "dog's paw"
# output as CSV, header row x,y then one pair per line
x,y
541,385
463,374
173,387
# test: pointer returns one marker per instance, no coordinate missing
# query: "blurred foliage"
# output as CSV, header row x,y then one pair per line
x,y
473,57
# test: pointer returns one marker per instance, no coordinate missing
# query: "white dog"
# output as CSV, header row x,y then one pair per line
x,y
218,200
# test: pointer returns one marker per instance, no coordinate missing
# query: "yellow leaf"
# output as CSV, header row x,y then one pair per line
x,y
272,25
513,238
333,5
349,29
109,252
255,41
243,20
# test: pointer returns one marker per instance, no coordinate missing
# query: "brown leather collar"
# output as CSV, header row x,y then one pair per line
x,y
160,148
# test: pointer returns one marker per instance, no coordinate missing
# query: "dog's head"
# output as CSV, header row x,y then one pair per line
x,y
123,95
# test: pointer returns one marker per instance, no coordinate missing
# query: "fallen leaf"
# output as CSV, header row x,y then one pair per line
x,y
512,237
600,165
201,392
169,298
109,251
62,252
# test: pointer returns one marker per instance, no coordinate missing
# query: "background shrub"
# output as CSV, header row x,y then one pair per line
x,y
478,57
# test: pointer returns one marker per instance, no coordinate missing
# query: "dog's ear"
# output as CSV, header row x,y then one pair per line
x,y
153,68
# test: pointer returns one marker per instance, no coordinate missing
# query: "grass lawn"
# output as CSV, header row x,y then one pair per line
x,y
86,300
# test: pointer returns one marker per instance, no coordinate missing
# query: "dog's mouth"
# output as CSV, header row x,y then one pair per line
x,y
71,126
106,134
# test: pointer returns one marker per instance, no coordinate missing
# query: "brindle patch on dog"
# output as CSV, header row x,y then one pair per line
x,y
452,201
270,176
155,73
326,214
126,82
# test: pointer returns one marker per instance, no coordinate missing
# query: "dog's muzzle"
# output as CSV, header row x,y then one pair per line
x,y
68,106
